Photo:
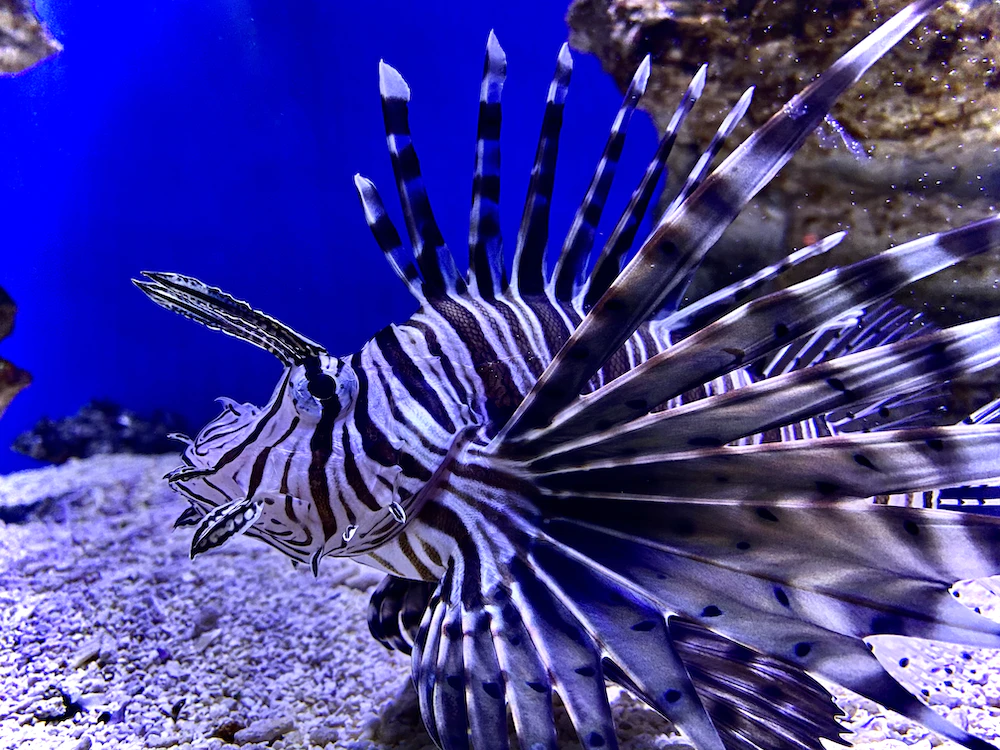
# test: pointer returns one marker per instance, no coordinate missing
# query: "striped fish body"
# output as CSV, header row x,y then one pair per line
x,y
417,402
571,476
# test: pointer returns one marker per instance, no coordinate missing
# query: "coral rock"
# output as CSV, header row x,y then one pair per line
x,y
925,115
24,41
99,427
12,379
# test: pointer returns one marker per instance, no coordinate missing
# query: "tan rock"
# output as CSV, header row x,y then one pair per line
x,y
12,379
925,113
24,41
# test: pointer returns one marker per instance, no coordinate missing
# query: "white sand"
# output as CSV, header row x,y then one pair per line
x,y
99,603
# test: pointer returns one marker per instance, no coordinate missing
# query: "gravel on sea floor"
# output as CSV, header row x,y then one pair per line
x,y
111,638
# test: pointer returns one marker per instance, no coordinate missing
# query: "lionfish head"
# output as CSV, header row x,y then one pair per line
x,y
257,470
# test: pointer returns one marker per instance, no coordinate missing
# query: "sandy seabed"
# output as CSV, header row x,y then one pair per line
x,y
111,638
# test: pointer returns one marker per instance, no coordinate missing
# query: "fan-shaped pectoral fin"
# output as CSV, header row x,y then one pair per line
x,y
547,625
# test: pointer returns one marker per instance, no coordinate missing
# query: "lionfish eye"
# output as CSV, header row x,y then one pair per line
x,y
322,387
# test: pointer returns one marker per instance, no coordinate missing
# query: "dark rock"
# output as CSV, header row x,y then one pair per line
x,y
8,310
227,730
99,427
56,705
207,619
400,718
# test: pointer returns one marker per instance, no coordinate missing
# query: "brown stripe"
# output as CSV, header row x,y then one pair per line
x,y
502,394
407,549
385,564
353,474
431,551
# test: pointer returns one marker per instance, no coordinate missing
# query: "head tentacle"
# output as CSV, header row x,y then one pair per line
x,y
220,311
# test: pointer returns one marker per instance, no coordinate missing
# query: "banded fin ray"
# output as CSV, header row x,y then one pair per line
x,y
486,265
679,244
505,658
395,610
981,499
876,325
533,235
569,273
382,228
695,179
607,265
755,700
434,259
755,581
424,661
919,404
739,577
449,701
760,327
902,542
712,306
700,170
548,637
747,694
876,375
986,414
220,311
528,686
485,694
630,630
823,469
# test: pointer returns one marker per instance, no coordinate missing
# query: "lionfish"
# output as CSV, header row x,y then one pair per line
x,y
573,476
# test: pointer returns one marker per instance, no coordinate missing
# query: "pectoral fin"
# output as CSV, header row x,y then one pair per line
x,y
225,522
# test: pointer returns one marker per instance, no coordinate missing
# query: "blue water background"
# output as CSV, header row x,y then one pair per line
x,y
219,139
